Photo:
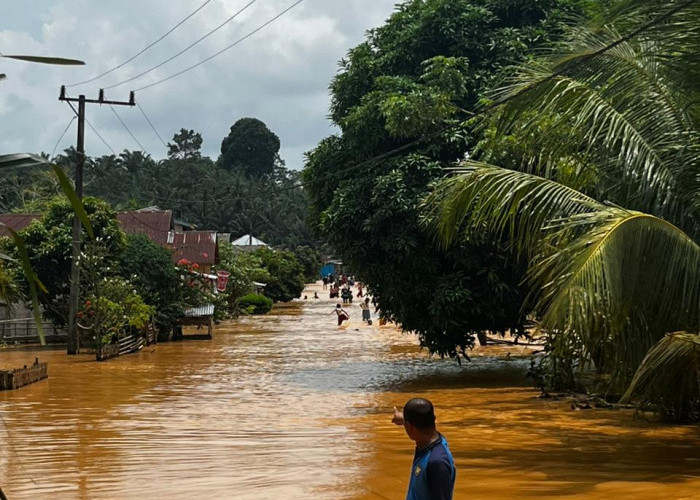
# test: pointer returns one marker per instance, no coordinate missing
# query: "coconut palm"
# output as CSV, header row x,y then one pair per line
x,y
618,105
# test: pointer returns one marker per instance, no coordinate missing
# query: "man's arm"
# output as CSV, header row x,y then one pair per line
x,y
439,475
398,417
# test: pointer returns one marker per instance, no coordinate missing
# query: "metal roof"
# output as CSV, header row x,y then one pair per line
x,y
156,224
249,240
200,312
196,246
16,222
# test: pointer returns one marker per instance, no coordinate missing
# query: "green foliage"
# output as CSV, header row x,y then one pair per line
x,y
113,308
150,269
255,304
415,78
48,243
607,282
244,268
668,379
186,145
286,276
310,260
250,148
9,289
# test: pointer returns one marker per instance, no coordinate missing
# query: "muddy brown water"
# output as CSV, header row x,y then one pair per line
x,y
289,406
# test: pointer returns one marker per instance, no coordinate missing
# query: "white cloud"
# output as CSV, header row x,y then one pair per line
x,y
279,75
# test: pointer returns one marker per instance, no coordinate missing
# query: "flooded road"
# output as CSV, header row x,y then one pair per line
x,y
289,406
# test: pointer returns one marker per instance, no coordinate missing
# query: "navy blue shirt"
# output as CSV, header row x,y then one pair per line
x,y
433,473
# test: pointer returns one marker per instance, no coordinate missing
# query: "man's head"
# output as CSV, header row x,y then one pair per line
x,y
419,417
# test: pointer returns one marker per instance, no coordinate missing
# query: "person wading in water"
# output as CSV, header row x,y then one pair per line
x,y
342,314
433,472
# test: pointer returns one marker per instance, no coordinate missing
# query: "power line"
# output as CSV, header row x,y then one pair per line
x,y
224,49
415,142
143,50
235,15
62,135
476,114
127,128
151,124
93,129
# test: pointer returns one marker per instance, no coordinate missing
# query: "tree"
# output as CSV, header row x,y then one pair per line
x,y
608,282
150,269
187,145
48,243
286,281
250,147
310,260
400,96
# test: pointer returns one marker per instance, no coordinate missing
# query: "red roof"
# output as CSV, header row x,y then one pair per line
x,y
16,222
154,224
198,247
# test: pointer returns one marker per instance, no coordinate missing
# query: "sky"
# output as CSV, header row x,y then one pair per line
x,y
279,75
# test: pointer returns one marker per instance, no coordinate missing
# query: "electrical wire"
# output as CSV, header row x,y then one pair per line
x,y
127,128
234,16
450,128
53,152
143,50
151,124
93,129
222,50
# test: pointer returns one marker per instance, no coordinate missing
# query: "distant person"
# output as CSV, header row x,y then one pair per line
x,y
306,297
325,282
433,471
316,296
342,314
366,316
359,290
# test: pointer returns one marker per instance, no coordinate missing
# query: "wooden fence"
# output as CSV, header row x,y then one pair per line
x,y
14,379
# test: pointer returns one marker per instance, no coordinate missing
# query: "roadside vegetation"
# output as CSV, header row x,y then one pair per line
x,y
574,212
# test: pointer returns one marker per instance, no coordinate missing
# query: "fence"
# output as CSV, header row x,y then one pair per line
x,y
14,379
25,331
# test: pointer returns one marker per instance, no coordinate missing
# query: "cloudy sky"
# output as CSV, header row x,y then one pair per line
x,y
279,75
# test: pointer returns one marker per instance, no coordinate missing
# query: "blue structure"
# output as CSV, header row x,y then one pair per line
x,y
334,267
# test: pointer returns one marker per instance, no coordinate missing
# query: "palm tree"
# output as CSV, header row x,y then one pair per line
x,y
617,106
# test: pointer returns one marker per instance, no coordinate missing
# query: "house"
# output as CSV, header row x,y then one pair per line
x,y
16,222
155,224
248,243
196,247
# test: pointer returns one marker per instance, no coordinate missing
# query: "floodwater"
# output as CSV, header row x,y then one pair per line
x,y
290,406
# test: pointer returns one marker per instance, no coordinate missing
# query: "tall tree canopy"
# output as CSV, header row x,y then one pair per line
x,y
250,147
186,145
604,200
411,80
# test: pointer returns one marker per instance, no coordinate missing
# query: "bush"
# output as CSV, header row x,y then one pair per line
x,y
255,304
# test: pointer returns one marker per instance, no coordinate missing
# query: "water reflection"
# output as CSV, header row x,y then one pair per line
x,y
291,406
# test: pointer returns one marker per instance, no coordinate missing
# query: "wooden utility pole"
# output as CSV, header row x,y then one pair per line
x,y
74,300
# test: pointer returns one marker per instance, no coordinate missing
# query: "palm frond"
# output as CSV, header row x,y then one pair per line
x,y
500,203
622,108
620,285
46,60
668,378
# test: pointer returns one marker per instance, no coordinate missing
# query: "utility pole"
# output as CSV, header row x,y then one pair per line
x,y
74,300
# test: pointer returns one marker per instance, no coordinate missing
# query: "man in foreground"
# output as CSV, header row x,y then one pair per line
x,y
433,472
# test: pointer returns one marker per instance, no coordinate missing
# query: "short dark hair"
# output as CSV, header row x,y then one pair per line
x,y
419,413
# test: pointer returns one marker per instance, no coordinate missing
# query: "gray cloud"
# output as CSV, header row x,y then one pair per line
x,y
279,75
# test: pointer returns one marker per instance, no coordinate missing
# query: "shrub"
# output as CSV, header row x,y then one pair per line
x,y
255,304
